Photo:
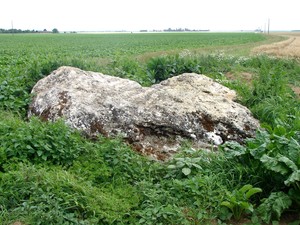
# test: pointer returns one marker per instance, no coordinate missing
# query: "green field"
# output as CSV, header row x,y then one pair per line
x,y
95,51
110,45
50,174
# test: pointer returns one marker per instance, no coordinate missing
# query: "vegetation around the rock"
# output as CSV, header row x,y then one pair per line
x,y
50,174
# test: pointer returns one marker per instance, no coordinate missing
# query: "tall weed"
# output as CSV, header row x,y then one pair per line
x,y
164,67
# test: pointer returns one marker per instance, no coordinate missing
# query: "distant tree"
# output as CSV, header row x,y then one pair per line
x,y
55,31
19,31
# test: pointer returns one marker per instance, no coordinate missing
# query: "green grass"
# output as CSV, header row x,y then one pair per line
x,y
50,174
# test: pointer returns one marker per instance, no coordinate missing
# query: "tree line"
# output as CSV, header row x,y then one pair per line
x,y
13,31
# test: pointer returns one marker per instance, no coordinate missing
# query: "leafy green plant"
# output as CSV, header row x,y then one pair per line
x,y
158,206
199,193
161,214
238,200
273,206
125,164
273,157
13,95
289,169
186,165
39,141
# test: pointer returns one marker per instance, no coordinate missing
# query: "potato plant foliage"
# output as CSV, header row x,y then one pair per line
x,y
50,174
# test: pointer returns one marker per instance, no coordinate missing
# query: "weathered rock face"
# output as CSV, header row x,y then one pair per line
x,y
154,119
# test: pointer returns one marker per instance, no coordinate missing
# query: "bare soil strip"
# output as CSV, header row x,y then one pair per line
x,y
286,48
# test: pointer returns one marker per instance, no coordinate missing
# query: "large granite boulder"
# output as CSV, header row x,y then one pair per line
x,y
154,120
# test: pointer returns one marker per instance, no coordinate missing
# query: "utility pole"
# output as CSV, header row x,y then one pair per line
x,y
12,26
268,25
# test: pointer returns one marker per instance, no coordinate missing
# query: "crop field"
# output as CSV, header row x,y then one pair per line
x,y
289,47
50,174
109,45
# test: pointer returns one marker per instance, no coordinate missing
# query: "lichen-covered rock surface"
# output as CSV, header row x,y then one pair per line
x,y
154,120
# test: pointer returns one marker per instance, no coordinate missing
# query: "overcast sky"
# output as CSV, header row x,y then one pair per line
x,y
133,15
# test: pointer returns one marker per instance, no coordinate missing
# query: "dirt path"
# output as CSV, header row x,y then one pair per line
x,y
286,48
